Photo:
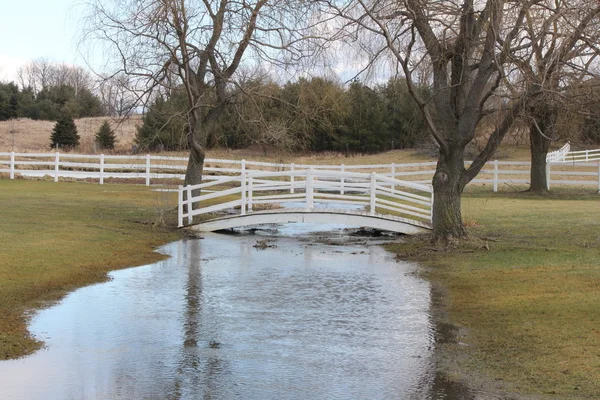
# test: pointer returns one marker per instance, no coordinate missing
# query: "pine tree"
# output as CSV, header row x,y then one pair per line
x,y
105,137
64,133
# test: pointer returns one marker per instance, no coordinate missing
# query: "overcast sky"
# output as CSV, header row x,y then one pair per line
x,y
33,29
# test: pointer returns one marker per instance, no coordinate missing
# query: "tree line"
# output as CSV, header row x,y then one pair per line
x,y
310,114
49,91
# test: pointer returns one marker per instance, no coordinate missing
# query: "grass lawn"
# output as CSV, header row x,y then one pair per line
x,y
524,291
55,237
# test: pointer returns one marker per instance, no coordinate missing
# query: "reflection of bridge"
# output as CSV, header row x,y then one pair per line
x,y
263,197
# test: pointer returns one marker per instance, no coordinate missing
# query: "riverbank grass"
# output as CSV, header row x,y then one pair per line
x,y
524,291
55,237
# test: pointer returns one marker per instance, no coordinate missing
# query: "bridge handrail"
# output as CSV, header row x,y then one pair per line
x,y
375,190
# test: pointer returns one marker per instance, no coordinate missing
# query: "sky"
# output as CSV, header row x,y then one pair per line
x,y
50,29
32,29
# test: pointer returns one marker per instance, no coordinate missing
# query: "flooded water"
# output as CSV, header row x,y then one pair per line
x,y
224,319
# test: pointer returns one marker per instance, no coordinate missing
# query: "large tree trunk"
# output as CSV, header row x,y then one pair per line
x,y
539,142
447,191
539,150
195,167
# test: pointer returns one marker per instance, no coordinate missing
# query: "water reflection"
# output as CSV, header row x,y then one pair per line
x,y
223,320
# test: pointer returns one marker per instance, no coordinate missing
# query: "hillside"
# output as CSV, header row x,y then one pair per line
x,y
26,135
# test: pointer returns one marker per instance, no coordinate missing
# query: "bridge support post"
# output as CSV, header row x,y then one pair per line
x,y
189,205
309,190
292,178
250,189
372,192
180,206
243,205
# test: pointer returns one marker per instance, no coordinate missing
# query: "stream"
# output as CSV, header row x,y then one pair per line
x,y
291,313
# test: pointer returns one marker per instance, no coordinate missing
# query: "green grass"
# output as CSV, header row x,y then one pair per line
x,y
525,291
55,237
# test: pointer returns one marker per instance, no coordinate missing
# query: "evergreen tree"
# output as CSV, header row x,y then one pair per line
x,y
105,137
64,133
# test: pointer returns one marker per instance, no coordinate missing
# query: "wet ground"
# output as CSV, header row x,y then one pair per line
x,y
285,313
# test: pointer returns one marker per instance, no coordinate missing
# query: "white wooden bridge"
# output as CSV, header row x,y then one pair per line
x,y
320,196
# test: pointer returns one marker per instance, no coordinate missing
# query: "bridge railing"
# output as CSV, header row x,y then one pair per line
x,y
255,191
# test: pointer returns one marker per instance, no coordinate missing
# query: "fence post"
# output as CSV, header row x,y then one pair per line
x,y
243,206
180,206
12,165
250,189
309,190
342,179
393,177
548,172
147,169
243,167
189,205
587,156
372,193
292,178
102,169
56,164
495,176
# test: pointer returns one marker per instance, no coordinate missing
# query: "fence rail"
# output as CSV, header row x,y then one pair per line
x,y
580,168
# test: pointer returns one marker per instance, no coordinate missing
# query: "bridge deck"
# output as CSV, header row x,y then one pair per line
x,y
316,215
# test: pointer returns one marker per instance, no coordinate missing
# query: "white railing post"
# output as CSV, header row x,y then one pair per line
x,y
495,176
372,193
342,179
243,171
393,177
292,178
587,156
147,169
243,206
548,172
189,205
56,166
431,209
12,165
309,190
102,169
250,190
180,206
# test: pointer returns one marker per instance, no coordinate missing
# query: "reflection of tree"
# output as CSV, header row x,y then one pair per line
x,y
433,383
200,365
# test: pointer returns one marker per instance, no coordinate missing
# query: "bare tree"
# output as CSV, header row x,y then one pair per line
x,y
118,98
469,45
196,46
41,74
563,36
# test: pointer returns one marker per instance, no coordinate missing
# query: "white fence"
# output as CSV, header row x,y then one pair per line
x,y
565,155
252,189
569,168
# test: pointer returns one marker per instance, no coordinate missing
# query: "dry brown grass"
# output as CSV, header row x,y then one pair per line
x,y
26,135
